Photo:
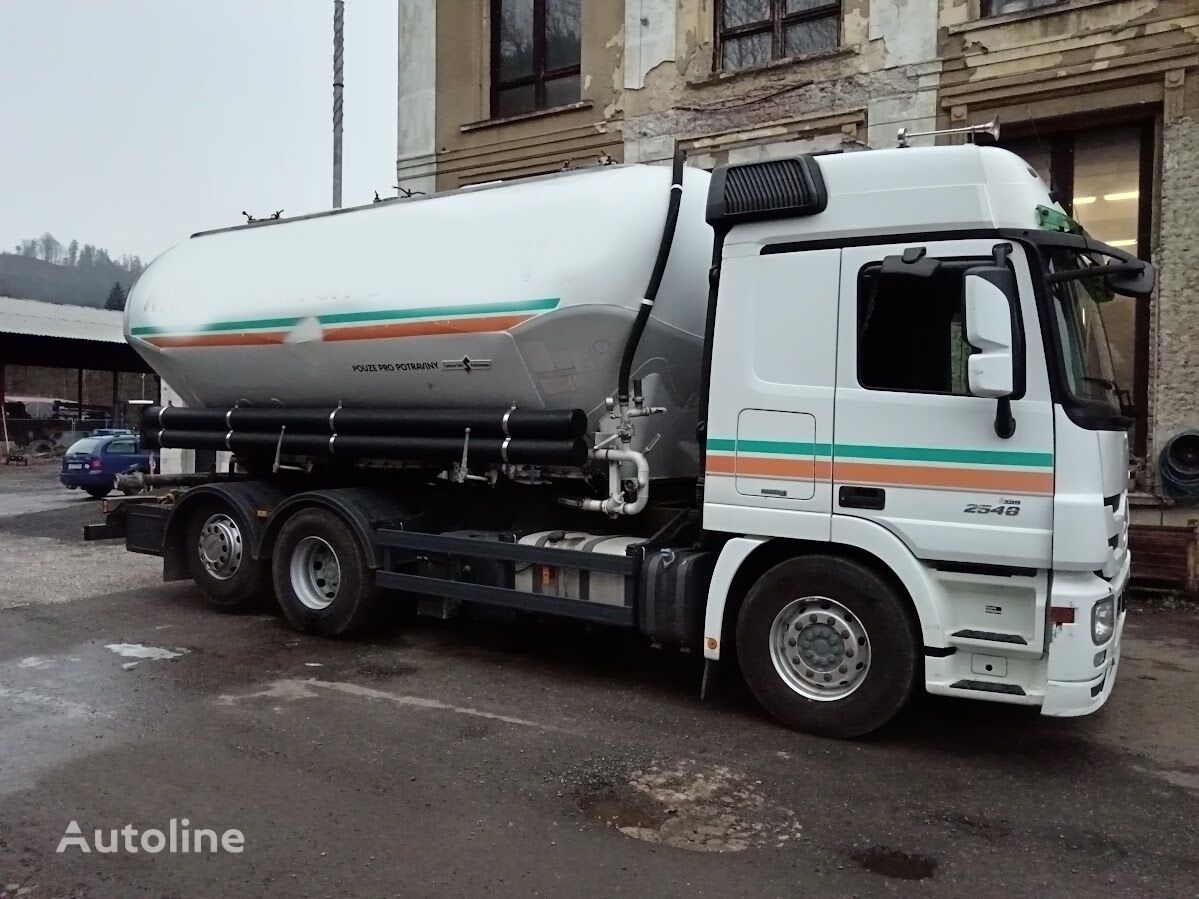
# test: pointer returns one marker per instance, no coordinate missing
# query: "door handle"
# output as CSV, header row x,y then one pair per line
x,y
862,497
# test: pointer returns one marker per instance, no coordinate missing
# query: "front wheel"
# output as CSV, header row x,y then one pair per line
x,y
322,579
827,646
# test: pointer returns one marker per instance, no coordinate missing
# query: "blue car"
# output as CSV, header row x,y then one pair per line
x,y
93,462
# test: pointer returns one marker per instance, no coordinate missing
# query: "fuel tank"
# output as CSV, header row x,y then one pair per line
x,y
514,293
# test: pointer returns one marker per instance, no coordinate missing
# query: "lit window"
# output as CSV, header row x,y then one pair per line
x,y
753,32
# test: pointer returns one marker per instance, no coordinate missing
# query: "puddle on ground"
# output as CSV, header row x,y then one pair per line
x,y
691,806
141,651
893,863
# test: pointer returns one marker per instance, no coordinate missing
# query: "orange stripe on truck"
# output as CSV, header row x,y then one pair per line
x,y
919,476
355,332
994,480
783,469
426,329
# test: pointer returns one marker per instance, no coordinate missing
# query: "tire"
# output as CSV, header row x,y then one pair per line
x,y
322,580
218,556
97,492
852,634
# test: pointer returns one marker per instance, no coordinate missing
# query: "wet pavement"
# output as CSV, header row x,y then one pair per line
x,y
444,758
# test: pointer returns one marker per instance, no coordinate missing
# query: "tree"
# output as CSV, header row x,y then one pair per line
x,y
116,298
50,247
72,253
87,256
27,248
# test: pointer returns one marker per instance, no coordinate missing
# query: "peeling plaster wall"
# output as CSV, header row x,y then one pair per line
x,y
884,72
1175,384
649,27
416,156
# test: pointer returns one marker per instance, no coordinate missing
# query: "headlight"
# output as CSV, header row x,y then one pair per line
x,y
1103,620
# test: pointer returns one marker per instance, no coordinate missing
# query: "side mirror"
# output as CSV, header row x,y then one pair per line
x,y
1136,284
991,297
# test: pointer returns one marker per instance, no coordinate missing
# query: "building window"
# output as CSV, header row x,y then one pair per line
x,y
535,46
1103,177
1003,7
897,312
753,32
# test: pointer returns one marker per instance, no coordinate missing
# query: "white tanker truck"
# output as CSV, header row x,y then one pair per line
x,y
859,432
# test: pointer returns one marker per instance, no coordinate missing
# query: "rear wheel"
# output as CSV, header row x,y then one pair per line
x,y
97,492
827,646
218,555
322,580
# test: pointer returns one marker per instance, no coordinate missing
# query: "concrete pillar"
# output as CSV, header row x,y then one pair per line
x,y
1174,388
416,151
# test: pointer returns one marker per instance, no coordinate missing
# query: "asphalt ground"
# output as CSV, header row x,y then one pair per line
x,y
533,758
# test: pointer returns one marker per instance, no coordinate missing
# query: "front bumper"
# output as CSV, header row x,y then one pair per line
x,y
1071,699
1076,685
77,479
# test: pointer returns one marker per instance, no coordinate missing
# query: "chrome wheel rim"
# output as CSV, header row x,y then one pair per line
x,y
315,573
220,547
819,648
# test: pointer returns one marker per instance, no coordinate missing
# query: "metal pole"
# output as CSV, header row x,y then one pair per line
x,y
338,16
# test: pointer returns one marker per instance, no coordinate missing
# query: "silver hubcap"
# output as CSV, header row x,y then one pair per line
x,y
820,649
315,573
220,546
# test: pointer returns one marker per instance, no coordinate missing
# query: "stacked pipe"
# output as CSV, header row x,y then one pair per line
x,y
496,435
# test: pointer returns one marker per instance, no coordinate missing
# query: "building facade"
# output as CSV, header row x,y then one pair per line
x,y
1101,96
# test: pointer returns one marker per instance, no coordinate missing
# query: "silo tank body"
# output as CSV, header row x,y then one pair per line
x,y
520,293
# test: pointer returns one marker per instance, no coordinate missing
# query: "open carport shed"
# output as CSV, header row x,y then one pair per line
x,y
58,336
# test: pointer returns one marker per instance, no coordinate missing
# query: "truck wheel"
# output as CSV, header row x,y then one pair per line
x,y
322,579
827,646
219,559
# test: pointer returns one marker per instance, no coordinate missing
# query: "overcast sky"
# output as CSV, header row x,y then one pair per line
x,y
129,124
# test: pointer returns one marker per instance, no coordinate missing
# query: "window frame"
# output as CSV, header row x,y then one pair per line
x,y
1058,136
962,263
984,9
775,26
540,74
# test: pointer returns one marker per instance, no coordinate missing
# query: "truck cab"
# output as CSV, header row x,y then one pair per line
x,y
910,383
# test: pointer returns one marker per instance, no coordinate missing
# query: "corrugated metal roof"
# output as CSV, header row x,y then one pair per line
x,y
40,319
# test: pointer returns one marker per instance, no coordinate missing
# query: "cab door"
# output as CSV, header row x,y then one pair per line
x,y
913,451
770,416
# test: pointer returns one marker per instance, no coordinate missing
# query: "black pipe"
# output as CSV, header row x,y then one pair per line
x,y
536,424
518,451
655,279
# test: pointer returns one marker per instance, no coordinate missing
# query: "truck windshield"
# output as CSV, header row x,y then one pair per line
x,y
1077,305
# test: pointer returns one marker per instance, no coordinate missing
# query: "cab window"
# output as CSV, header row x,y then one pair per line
x,y
912,330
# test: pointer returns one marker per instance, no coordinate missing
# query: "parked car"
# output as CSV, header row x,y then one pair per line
x,y
93,462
